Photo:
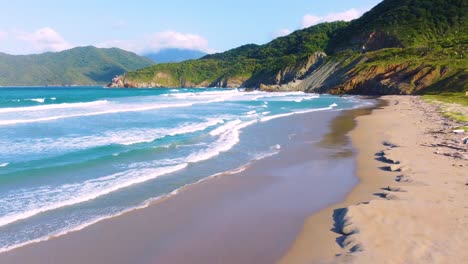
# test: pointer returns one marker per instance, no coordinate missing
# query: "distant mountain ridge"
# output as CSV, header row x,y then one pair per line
x,y
398,47
78,66
174,55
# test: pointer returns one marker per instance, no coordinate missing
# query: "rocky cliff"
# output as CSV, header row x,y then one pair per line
x,y
376,74
282,76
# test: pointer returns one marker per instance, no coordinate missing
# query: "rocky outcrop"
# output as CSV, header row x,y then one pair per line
x,y
228,82
362,76
300,70
291,78
285,78
402,78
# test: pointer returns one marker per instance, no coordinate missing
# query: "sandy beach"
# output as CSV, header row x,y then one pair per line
x,y
411,205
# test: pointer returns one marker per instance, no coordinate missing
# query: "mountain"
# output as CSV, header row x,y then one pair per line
x,y
77,66
398,47
248,65
174,55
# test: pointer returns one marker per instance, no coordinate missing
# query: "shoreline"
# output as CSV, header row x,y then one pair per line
x,y
223,188
404,209
150,202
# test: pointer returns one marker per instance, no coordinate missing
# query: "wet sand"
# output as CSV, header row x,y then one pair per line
x,y
411,204
249,217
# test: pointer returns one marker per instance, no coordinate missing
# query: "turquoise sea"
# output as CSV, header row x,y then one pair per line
x,y
70,156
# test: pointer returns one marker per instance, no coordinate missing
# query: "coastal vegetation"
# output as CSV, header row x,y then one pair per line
x,y
452,105
451,98
398,47
77,66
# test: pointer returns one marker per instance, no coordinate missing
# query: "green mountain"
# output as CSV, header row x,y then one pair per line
x,y
404,23
398,47
248,65
77,66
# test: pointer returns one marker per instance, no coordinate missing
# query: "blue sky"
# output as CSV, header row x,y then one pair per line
x,y
144,26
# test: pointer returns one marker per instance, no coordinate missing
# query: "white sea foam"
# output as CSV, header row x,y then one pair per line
x,y
4,164
265,155
39,100
51,106
228,138
123,137
228,126
268,118
22,204
116,109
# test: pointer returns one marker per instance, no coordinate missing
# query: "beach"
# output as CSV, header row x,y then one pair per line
x,y
408,203
248,215
411,205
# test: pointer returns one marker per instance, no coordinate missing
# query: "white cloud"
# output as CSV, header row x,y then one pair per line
x,y
348,15
173,39
44,39
121,24
3,35
161,40
282,32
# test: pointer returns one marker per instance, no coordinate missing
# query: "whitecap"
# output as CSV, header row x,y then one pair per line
x,y
39,100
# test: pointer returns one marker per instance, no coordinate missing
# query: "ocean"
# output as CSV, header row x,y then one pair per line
x,y
71,156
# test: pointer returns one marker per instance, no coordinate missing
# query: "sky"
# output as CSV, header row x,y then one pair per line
x,y
36,26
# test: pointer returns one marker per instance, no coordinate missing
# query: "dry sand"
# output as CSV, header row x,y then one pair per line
x,y
411,205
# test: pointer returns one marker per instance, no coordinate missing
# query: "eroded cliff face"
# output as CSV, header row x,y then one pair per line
x,y
400,78
280,77
392,79
361,77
